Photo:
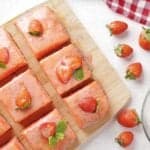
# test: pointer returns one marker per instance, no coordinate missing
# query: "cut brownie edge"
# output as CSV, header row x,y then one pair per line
x,y
12,75
75,89
46,53
6,136
38,114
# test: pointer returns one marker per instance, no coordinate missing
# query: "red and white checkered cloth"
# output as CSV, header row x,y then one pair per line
x,y
138,10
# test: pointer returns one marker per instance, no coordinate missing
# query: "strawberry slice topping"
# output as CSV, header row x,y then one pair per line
x,y
23,99
48,129
4,55
88,104
35,28
74,62
64,73
66,68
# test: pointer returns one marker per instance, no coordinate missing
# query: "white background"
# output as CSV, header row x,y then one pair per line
x,y
94,15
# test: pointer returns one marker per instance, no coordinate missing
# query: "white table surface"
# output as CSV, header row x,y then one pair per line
x,y
94,15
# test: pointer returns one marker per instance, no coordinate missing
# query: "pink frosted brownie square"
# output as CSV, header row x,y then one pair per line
x,y
88,105
25,99
39,135
11,59
42,30
61,67
14,144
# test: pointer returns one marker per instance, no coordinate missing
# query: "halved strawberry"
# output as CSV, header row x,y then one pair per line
x,y
88,104
64,73
74,62
123,50
48,129
4,55
35,28
23,99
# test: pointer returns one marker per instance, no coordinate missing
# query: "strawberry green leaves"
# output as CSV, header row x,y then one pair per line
x,y
2,65
147,33
118,50
59,135
23,99
4,57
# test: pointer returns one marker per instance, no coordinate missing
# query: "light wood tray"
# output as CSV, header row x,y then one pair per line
x,y
103,72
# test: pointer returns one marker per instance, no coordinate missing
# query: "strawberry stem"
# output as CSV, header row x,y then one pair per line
x,y
119,141
107,26
138,119
130,75
118,51
146,33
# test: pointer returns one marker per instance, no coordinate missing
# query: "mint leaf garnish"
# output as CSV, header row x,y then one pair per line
x,y
78,74
61,126
52,140
60,133
60,136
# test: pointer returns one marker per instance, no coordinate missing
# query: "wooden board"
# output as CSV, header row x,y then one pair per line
x,y
103,72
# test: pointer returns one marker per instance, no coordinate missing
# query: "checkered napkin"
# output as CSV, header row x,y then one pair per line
x,y
138,10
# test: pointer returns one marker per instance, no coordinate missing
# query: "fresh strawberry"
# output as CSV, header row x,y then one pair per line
x,y
88,104
4,55
64,73
128,118
134,71
74,62
144,39
123,50
125,138
117,27
35,28
48,129
23,99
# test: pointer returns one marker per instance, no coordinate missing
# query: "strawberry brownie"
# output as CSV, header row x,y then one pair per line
x,y
5,131
66,69
25,99
14,144
50,133
42,30
11,59
88,105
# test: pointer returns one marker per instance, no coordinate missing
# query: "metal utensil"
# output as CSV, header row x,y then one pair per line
x,y
146,115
